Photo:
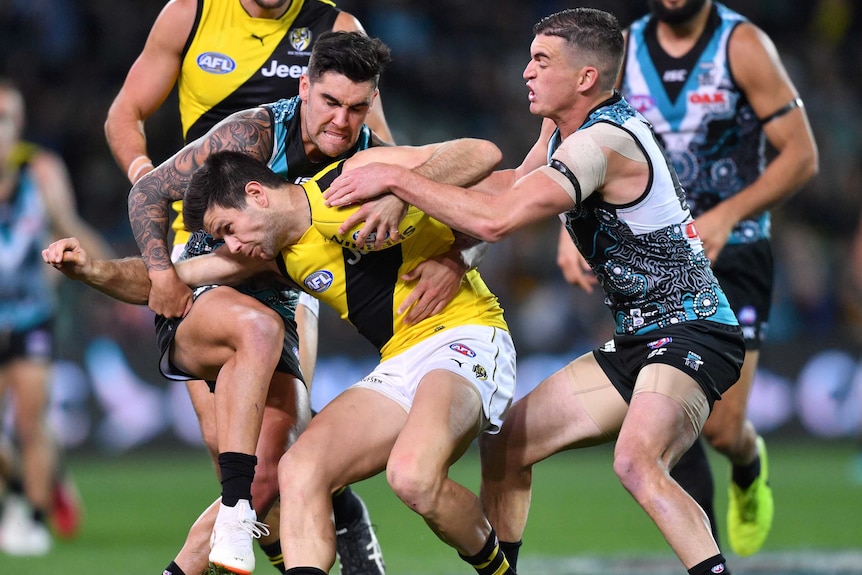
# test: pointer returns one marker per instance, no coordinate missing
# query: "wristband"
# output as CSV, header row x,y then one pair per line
x,y
142,162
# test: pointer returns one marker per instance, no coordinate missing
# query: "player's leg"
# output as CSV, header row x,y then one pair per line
x,y
348,440
694,474
575,407
236,341
286,414
28,380
750,504
445,417
745,272
665,415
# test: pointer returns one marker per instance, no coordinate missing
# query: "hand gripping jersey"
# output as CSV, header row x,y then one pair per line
x,y
26,298
365,288
708,129
646,254
233,62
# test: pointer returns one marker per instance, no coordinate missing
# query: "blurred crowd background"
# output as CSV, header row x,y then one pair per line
x,y
456,72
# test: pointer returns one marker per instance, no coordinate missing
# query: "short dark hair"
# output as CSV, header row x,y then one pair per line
x,y
589,30
351,54
220,182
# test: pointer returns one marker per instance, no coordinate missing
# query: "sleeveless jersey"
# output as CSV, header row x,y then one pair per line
x,y
366,288
710,132
26,297
646,254
233,62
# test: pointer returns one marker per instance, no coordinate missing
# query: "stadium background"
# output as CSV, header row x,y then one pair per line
x,y
456,72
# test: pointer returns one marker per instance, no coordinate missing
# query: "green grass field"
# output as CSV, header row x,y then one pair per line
x,y
139,506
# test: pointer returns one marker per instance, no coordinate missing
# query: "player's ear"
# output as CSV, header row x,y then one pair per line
x,y
304,87
256,193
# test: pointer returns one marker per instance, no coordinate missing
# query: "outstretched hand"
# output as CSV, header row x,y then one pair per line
x,y
69,257
360,184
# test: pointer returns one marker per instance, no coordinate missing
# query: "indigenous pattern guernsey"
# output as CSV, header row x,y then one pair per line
x,y
646,254
689,99
26,298
366,288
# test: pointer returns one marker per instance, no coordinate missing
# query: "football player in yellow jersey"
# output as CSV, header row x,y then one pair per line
x,y
225,57
441,382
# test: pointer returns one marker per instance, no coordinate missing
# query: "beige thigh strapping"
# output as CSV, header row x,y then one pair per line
x,y
599,398
671,382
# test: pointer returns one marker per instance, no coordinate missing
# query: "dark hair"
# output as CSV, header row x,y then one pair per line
x,y
594,32
220,182
351,54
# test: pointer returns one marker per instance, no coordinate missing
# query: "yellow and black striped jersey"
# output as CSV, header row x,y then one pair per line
x,y
366,288
234,62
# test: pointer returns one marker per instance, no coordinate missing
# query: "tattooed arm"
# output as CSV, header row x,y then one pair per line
x,y
248,131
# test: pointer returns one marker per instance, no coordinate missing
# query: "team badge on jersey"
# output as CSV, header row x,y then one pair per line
x,y
480,372
300,39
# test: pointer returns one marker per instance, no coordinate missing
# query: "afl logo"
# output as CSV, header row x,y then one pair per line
x,y
300,39
318,281
215,63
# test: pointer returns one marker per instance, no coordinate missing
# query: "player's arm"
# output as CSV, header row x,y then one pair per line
x,y
147,85
599,158
758,70
123,279
56,187
376,120
248,131
223,268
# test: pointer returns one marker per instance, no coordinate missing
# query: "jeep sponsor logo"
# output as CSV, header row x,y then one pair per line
x,y
216,63
274,69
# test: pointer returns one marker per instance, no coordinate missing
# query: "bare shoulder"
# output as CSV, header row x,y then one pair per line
x,y
174,23
347,22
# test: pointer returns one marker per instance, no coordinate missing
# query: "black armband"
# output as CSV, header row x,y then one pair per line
x,y
791,105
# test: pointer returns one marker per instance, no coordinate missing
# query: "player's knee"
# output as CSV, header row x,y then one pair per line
x,y
632,467
417,487
262,328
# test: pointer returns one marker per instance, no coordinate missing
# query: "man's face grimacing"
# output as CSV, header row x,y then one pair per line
x,y
550,76
252,231
334,109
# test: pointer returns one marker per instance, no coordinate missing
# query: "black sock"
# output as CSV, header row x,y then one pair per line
x,y
490,560
511,551
744,475
347,507
273,553
693,473
304,571
237,473
173,569
715,565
